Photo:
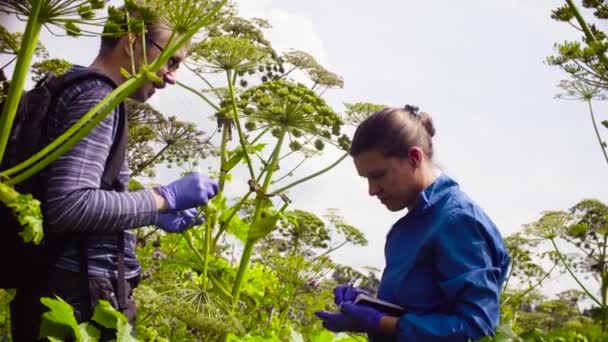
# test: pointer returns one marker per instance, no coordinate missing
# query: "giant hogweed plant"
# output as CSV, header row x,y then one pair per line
x,y
184,17
263,127
283,114
584,61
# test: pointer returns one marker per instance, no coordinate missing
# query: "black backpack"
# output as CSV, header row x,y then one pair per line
x,y
23,264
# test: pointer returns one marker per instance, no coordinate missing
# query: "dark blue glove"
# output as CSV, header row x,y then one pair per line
x,y
188,192
357,318
177,221
346,293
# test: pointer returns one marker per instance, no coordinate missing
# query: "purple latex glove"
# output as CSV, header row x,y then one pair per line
x,y
346,293
177,221
188,192
357,318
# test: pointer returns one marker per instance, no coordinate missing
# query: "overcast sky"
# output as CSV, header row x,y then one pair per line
x,y
477,66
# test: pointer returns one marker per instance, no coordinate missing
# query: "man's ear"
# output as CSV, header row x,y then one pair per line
x,y
127,43
415,155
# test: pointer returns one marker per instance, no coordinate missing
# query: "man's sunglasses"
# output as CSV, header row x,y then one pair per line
x,y
173,62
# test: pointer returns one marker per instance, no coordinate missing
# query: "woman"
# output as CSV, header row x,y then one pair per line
x,y
445,259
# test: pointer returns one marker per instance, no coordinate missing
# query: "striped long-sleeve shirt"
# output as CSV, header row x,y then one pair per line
x,y
74,200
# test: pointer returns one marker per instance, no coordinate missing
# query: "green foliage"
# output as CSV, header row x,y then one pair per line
x,y
155,139
55,65
67,14
11,42
551,225
355,113
317,73
280,105
223,53
59,323
27,210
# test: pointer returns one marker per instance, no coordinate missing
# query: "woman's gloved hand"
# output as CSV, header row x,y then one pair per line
x,y
346,293
352,317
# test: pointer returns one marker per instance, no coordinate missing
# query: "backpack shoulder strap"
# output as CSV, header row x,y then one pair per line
x,y
109,179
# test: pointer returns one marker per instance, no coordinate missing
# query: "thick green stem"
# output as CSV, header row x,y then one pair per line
x,y
587,30
274,160
238,125
561,258
213,105
221,289
208,225
224,154
311,176
604,284
188,238
285,310
258,209
75,133
245,258
24,58
41,159
226,223
597,132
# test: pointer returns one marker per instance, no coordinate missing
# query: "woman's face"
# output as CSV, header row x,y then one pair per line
x,y
396,181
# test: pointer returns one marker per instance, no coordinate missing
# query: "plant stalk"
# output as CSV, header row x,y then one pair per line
x,y
224,155
597,132
24,58
258,209
587,30
309,177
238,125
561,258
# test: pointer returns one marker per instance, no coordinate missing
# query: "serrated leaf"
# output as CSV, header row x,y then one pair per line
x,y
89,332
59,322
323,336
605,123
123,332
110,318
107,316
264,225
235,159
236,227
28,212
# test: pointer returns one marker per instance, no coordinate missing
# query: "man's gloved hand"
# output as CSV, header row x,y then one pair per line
x,y
188,192
357,318
177,221
346,293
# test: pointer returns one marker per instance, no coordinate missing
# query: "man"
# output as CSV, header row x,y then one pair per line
x,y
75,203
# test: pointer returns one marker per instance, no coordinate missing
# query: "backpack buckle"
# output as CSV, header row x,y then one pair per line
x,y
46,79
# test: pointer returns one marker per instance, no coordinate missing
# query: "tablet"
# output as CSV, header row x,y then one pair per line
x,y
379,304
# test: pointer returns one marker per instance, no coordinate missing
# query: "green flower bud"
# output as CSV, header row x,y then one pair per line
x,y
319,144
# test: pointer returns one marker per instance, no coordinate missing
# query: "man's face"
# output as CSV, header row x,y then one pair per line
x,y
393,180
168,72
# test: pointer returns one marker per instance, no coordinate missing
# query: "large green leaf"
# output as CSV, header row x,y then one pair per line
x,y
28,212
89,332
59,323
236,227
109,318
323,336
264,225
